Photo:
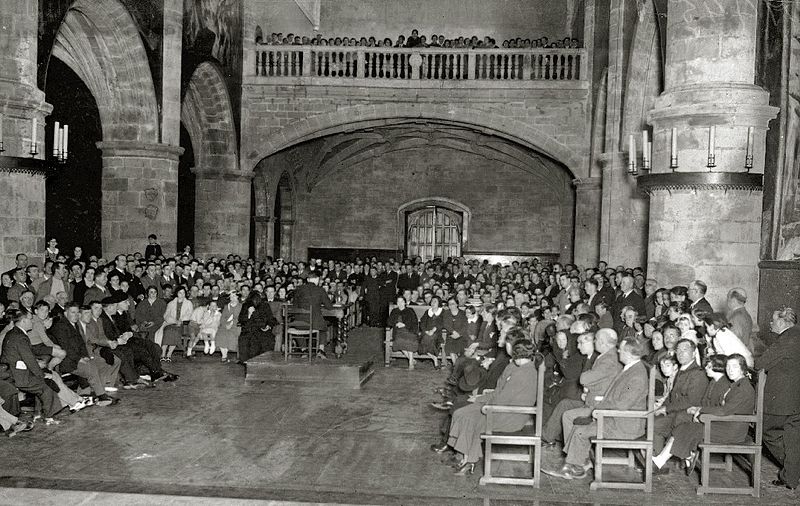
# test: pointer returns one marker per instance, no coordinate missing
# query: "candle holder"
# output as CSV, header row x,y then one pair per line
x,y
2,148
712,161
34,151
673,163
748,162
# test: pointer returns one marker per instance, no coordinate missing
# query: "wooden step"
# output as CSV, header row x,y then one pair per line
x,y
271,367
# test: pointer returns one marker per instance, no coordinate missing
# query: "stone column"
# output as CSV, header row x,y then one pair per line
x,y
705,215
623,230
588,195
264,230
22,185
222,214
171,72
140,196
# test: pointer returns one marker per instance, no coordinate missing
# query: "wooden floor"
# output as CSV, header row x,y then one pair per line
x,y
210,435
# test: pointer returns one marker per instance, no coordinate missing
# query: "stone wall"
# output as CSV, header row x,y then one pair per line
x,y
512,211
552,119
22,198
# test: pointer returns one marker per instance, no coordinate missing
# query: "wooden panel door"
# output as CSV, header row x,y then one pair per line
x,y
433,232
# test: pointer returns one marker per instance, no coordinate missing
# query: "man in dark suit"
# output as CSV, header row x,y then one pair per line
x,y
80,360
688,388
627,391
25,371
311,295
408,280
697,293
782,396
626,297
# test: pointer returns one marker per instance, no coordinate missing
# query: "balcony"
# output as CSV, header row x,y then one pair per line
x,y
420,67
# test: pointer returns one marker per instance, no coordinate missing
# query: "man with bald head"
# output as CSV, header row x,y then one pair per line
x,y
595,382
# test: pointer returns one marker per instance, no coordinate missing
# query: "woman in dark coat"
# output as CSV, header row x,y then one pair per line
x,y
721,397
149,314
455,325
257,321
405,330
430,329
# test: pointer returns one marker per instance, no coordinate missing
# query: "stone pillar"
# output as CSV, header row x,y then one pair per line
x,y
171,72
623,229
264,230
140,196
22,186
705,215
222,214
588,194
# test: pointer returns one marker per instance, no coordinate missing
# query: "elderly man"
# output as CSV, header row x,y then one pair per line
x,y
627,391
595,382
626,297
697,293
739,320
782,396
20,285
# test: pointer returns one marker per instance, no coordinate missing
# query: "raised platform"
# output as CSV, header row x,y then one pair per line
x,y
271,366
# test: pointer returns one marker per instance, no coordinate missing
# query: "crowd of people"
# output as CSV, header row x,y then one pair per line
x,y
77,329
415,40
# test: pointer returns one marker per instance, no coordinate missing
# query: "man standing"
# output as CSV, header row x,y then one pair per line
x,y
739,320
782,396
626,297
697,293
153,249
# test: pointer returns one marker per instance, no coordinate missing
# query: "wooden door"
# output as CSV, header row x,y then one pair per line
x,y
433,232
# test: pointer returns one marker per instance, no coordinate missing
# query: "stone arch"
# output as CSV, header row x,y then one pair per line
x,y
645,72
207,114
364,116
284,223
445,202
99,41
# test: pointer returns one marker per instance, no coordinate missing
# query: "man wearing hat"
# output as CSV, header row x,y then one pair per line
x,y
123,350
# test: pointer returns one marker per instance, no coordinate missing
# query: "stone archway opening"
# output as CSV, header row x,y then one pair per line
x,y
187,189
347,189
74,191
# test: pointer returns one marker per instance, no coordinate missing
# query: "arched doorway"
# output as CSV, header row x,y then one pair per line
x,y
283,213
433,232
186,193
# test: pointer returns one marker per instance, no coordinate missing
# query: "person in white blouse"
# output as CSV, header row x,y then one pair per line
x,y
723,340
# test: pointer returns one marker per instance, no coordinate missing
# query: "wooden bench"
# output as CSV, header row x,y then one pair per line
x,y
389,354
751,448
631,446
530,437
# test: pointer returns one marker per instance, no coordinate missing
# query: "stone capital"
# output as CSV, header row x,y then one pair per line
x,y
263,219
608,159
139,150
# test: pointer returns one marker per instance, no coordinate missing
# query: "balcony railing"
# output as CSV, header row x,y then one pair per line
x,y
421,64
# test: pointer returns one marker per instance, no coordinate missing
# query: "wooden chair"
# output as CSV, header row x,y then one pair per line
x,y
299,334
389,354
530,436
751,448
631,446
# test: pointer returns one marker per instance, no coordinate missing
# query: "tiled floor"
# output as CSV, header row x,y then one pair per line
x,y
209,435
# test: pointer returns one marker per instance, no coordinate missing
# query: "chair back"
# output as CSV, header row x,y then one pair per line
x,y
759,420
651,402
540,398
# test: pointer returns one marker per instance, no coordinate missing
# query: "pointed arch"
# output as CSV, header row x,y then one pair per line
x,y
207,114
99,41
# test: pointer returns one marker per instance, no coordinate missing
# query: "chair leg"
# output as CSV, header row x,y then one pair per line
x,y
705,470
537,464
598,463
487,460
756,471
648,470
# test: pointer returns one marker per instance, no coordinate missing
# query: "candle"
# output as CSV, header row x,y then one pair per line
x,y
712,140
65,141
56,139
631,153
649,154
645,154
1,127
673,153
33,135
749,141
